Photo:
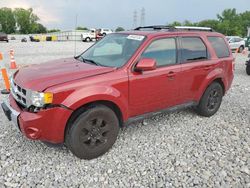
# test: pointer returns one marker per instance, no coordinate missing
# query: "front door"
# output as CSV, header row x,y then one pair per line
x,y
156,89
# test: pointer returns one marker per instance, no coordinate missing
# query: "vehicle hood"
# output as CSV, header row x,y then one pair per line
x,y
41,76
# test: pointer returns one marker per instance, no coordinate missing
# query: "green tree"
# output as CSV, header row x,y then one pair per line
x,y
209,23
53,30
7,20
26,20
119,29
230,22
38,28
245,22
175,24
81,28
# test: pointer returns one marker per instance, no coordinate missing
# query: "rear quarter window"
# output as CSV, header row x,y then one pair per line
x,y
220,46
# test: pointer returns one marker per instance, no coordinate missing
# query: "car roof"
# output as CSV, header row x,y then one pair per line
x,y
162,32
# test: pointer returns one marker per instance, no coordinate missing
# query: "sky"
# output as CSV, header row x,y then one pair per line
x,y
61,14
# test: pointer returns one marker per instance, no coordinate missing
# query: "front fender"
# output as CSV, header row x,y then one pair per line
x,y
213,75
90,94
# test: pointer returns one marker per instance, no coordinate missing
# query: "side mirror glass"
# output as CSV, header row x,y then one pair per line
x,y
146,64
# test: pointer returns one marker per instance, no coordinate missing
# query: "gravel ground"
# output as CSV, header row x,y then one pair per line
x,y
179,149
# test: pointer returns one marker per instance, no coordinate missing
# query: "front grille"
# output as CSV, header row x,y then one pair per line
x,y
19,94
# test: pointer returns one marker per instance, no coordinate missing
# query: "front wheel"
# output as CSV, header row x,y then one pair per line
x,y
211,100
93,133
248,70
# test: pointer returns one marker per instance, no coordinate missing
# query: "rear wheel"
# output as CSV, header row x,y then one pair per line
x,y
248,70
87,39
93,133
211,100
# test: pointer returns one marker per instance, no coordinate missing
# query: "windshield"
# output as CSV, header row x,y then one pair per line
x,y
114,50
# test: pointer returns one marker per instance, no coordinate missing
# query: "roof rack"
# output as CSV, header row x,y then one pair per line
x,y
154,27
191,28
173,28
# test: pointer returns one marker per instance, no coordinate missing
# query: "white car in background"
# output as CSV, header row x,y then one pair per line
x,y
104,31
88,35
236,42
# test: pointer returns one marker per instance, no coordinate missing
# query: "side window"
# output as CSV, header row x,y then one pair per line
x,y
162,50
193,49
219,46
238,39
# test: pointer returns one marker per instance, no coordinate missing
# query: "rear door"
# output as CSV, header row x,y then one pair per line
x,y
157,89
196,63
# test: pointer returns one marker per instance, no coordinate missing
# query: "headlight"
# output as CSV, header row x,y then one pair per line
x,y
39,99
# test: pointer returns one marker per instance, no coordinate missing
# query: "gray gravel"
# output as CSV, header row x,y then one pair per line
x,y
179,149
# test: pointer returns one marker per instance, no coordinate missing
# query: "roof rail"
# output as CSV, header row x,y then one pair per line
x,y
154,27
191,28
173,28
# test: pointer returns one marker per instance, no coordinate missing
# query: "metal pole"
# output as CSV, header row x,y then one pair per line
x,y
75,35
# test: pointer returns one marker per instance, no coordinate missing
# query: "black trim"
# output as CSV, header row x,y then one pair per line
x,y
6,111
151,114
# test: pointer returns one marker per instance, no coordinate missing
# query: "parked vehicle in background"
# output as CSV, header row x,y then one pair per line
x,y
88,35
12,38
236,42
248,65
104,31
125,77
4,37
32,39
247,43
24,40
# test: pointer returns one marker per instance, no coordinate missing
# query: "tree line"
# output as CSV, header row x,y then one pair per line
x,y
20,20
229,22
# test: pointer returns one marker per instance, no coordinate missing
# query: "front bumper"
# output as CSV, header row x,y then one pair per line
x,y
46,125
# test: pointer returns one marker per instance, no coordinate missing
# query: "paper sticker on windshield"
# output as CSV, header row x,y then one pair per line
x,y
135,37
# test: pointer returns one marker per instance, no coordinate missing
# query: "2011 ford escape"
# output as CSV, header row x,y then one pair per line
x,y
126,76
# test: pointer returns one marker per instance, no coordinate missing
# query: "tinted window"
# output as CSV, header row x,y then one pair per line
x,y
193,49
162,50
219,46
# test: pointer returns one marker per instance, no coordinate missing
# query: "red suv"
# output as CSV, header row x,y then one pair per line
x,y
124,77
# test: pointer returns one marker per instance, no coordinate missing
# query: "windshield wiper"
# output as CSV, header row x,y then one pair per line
x,y
91,61
80,58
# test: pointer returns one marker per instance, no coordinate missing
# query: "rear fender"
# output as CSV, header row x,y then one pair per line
x,y
211,77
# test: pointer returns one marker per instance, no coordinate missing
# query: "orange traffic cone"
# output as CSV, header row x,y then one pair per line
x,y
5,78
12,60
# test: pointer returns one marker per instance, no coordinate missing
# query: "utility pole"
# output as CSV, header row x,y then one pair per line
x,y
143,17
75,35
135,19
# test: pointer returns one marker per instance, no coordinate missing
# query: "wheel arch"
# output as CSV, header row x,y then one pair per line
x,y
212,80
113,106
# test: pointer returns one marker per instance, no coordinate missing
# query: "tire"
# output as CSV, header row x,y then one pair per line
x,y
93,133
87,39
241,48
248,70
211,100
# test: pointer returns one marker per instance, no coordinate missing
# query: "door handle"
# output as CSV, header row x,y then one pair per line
x,y
208,67
171,75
